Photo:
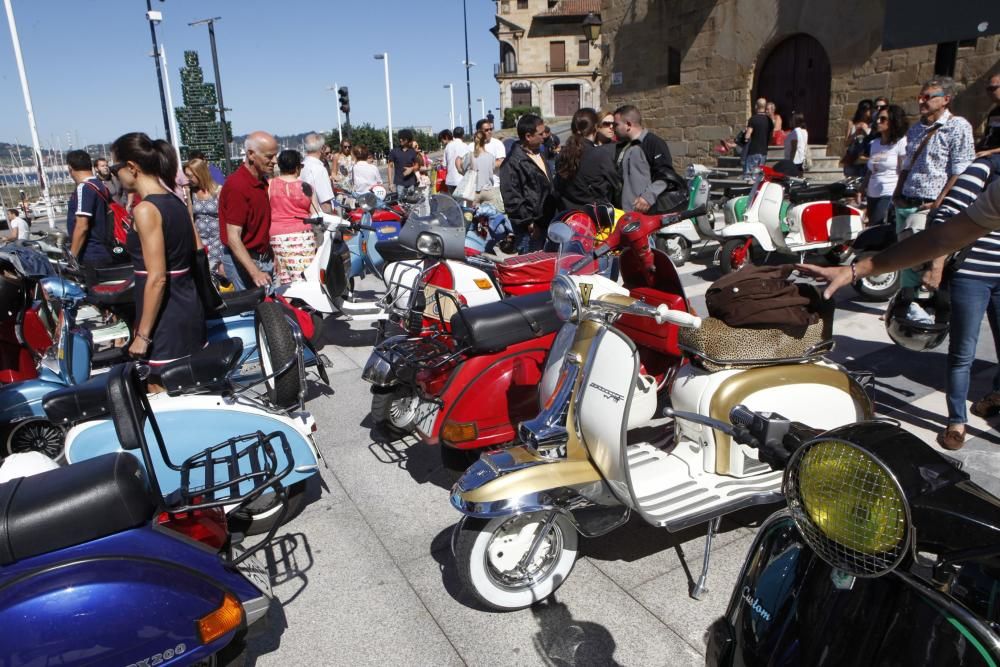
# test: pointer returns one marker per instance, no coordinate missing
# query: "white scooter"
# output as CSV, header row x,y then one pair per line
x,y
599,449
680,239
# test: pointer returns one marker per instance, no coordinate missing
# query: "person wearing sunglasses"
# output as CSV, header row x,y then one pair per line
x,y
605,128
938,149
343,164
989,144
585,172
885,159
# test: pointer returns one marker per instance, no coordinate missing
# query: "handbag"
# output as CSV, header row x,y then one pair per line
x,y
208,291
466,188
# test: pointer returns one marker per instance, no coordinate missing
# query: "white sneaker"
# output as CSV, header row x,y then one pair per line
x,y
916,313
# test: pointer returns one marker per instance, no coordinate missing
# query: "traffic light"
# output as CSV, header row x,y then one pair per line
x,y
344,99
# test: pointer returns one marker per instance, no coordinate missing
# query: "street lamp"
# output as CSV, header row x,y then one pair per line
x,y
468,86
154,18
218,86
384,57
482,107
451,94
592,27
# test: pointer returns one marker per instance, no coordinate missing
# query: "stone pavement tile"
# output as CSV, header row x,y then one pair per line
x,y
667,596
638,552
344,602
589,621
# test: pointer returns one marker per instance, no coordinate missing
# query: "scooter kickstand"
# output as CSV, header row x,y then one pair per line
x,y
700,588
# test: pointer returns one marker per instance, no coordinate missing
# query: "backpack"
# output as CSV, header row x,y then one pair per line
x,y
117,224
762,296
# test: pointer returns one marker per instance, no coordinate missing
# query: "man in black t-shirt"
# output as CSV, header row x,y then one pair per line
x,y
403,165
758,134
990,142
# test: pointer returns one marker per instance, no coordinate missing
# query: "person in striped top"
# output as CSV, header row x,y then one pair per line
x,y
974,285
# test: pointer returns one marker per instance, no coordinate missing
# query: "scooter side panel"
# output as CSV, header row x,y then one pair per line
x,y
24,399
189,431
495,393
115,601
474,284
755,230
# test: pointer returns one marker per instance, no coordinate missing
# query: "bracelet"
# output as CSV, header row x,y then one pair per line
x,y
854,271
147,339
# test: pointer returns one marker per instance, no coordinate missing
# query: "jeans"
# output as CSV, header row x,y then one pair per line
x,y
239,277
971,298
878,209
526,242
753,162
400,190
907,277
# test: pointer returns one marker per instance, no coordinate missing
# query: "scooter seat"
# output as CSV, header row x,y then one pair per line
x,y
492,327
78,403
206,369
816,192
71,505
737,191
394,251
236,303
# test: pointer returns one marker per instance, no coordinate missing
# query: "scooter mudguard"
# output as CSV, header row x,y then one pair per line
x,y
132,598
755,230
517,480
875,238
790,607
357,269
340,268
189,430
243,326
385,230
492,393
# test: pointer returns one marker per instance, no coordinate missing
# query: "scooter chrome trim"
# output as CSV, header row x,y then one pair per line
x,y
256,609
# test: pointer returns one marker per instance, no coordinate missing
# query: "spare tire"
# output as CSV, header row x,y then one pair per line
x,y
276,347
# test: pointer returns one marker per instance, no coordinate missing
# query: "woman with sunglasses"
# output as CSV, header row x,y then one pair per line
x,y
343,163
886,154
170,321
605,128
586,172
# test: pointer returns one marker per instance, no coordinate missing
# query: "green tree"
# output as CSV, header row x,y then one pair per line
x,y
377,139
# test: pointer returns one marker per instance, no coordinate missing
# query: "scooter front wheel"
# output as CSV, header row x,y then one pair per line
x,y
736,253
490,555
676,248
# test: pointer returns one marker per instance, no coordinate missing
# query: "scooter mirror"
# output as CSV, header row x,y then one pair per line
x,y
560,232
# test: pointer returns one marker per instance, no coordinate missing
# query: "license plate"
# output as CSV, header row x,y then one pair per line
x,y
256,573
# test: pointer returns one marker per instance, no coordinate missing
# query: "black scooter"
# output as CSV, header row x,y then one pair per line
x,y
887,554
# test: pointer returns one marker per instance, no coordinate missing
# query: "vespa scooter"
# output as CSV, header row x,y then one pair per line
x,y
690,235
864,529
599,449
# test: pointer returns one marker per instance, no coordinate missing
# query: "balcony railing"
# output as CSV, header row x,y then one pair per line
x,y
502,69
557,67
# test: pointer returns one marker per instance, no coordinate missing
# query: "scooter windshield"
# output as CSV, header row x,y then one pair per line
x,y
435,228
576,250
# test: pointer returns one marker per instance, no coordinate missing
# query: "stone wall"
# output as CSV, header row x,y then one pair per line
x,y
721,42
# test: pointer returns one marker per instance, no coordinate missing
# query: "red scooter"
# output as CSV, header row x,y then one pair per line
x,y
472,388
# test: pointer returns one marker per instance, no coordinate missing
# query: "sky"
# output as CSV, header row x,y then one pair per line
x,y
91,76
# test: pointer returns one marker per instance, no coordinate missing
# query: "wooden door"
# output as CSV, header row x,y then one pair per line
x,y
557,56
565,99
796,77
520,97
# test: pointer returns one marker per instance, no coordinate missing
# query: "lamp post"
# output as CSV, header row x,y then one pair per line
x,y
31,115
482,107
451,95
468,86
384,57
218,87
154,18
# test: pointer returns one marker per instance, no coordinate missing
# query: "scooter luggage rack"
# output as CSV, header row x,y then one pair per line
x,y
812,353
421,353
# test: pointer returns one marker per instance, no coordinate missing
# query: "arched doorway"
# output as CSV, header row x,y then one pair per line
x,y
796,77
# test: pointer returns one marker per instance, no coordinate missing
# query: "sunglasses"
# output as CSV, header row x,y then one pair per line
x,y
925,98
116,167
992,88
608,123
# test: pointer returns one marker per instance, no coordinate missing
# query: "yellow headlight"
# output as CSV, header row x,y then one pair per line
x,y
848,507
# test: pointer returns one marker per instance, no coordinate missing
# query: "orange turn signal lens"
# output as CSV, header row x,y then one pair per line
x,y
459,431
224,619
482,283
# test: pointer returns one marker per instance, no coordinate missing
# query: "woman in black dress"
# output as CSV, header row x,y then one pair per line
x,y
170,320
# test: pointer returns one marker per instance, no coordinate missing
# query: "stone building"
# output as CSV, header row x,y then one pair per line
x,y
545,61
694,67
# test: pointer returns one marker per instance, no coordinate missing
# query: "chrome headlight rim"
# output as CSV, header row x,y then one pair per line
x,y
566,299
834,553
424,247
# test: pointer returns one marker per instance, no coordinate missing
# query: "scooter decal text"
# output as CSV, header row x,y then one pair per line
x,y
614,396
160,658
754,604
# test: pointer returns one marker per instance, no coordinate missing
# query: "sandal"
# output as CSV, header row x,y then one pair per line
x,y
987,406
951,439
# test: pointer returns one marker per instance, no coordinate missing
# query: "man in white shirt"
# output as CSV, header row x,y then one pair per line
x,y
315,173
18,226
455,149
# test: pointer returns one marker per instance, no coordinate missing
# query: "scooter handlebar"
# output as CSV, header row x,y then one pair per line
x,y
663,314
672,218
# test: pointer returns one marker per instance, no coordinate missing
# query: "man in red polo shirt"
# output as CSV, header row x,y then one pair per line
x,y
245,216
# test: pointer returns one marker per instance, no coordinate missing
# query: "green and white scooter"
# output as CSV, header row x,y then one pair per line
x,y
679,240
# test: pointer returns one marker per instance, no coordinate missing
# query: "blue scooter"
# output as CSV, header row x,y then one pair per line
x,y
99,566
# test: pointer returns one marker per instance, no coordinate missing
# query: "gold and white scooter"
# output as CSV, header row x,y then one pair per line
x,y
599,450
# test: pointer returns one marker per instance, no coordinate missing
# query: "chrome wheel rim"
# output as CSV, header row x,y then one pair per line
x,y
403,410
508,545
36,435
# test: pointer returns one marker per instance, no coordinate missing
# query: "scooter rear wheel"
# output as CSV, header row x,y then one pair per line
x,y
258,517
35,435
488,553
396,408
880,287
276,347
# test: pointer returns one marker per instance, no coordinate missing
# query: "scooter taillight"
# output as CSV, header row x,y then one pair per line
x,y
207,526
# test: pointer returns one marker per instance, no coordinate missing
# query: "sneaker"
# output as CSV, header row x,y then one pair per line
x,y
916,313
987,406
951,439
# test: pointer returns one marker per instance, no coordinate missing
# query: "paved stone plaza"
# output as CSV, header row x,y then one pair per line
x,y
365,576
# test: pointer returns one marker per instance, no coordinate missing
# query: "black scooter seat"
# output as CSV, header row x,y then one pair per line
x,y
492,327
737,191
236,303
205,369
816,192
394,251
79,403
71,505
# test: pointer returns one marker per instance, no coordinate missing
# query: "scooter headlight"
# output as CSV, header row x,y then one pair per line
x,y
430,245
848,506
566,299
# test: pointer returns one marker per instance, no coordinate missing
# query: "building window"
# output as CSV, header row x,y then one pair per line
x,y
944,59
557,56
505,7
508,59
522,4
673,66
584,56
